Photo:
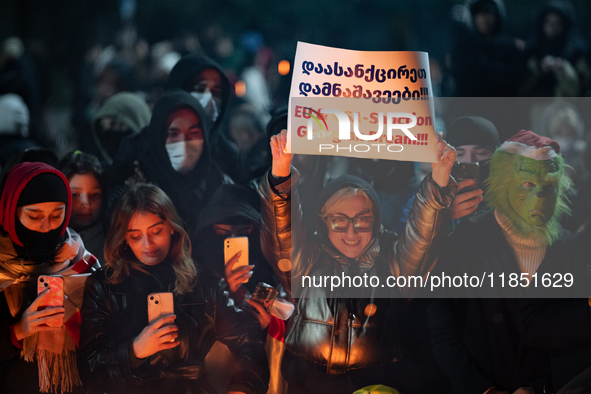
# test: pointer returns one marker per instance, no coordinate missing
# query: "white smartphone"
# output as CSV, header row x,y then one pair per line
x,y
233,246
159,304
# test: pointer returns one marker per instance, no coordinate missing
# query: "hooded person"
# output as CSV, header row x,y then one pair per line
x,y
175,154
233,211
206,81
346,338
485,61
35,240
527,188
555,57
122,116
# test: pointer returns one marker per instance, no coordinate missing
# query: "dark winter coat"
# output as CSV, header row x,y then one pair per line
x,y
113,315
476,341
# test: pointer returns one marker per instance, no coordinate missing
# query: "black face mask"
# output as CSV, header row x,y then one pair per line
x,y
111,140
40,247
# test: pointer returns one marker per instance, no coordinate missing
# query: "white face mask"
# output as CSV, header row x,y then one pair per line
x,y
208,103
184,155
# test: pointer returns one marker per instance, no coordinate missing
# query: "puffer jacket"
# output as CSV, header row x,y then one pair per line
x,y
339,333
114,314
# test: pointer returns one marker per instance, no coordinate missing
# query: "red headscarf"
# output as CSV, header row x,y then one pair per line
x,y
16,180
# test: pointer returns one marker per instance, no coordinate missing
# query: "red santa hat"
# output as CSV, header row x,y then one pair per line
x,y
529,144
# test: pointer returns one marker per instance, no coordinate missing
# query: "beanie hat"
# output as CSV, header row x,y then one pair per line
x,y
45,187
473,130
528,144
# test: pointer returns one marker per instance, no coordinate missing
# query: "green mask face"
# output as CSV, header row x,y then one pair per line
x,y
532,191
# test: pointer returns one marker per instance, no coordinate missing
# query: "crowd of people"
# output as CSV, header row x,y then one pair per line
x,y
141,209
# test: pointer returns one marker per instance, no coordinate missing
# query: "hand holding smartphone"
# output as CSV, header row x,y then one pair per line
x,y
159,304
236,258
55,284
234,245
461,171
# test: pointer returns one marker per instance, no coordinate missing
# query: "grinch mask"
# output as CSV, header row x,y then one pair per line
x,y
531,193
532,190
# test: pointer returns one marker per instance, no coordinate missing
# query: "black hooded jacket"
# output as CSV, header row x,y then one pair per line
x,y
231,204
222,150
568,45
189,192
486,66
181,77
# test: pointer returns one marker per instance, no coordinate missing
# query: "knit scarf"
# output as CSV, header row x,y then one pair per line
x,y
54,350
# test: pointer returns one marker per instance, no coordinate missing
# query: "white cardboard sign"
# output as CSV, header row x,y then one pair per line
x,y
361,104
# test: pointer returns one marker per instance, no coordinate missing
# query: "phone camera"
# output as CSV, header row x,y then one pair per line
x,y
41,280
152,298
156,302
46,284
228,245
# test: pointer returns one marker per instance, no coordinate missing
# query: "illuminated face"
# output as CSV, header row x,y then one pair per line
x,y
86,200
149,237
472,153
532,190
351,242
42,217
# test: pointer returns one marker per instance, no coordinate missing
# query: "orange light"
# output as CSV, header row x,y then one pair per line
x,y
240,88
370,309
284,265
283,67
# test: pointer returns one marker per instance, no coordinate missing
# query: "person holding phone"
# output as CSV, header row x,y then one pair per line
x,y
147,251
339,343
38,342
475,139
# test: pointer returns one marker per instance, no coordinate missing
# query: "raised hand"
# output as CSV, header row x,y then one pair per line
x,y
446,157
159,335
33,321
281,159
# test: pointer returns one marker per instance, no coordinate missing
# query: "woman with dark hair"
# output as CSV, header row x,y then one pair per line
x,y
148,251
85,174
35,240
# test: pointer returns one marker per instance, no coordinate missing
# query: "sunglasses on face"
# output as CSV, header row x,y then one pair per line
x,y
340,224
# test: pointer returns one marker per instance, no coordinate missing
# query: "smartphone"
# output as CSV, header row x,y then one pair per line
x,y
233,246
159,304
55,284
461,171
264,295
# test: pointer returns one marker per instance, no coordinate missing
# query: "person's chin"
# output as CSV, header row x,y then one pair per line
x,y
151,260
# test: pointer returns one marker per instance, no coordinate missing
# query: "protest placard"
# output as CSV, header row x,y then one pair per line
x,y
361,104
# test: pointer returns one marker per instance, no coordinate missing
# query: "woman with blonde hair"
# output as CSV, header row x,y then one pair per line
x,y
148,251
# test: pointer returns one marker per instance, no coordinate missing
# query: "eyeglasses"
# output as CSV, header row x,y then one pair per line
x,y
340,224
